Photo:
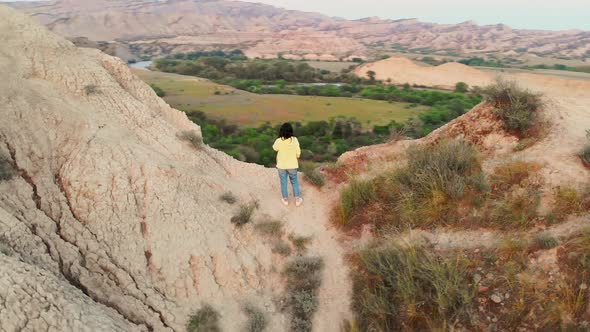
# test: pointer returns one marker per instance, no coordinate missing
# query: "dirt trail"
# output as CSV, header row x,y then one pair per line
x,y
312,219
444,239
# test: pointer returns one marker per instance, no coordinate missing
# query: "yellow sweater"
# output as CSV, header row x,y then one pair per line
x,y
288,153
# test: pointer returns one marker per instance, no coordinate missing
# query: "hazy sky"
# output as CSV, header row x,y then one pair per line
x,y
532,14
535,14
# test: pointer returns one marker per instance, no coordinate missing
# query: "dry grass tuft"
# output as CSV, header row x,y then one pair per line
x,y
245,213
511,174
282,248
271,228
567,202
257,321
410,289
191,136
313,174
228,197
303,281
546,241
300,242
354,197
7,171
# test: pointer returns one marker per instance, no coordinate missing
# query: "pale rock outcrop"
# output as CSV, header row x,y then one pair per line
x,y
114,223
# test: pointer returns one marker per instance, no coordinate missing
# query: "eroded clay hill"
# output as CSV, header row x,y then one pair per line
x,y
166,27
110,222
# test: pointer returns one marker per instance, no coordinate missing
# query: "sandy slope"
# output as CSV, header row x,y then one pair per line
x,y
402,70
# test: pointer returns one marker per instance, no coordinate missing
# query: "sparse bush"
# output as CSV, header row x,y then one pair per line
x,y
90,89
282,248
585,152
300,242
519,109
355,197
228,197
205,319
193,138
256,319
409,289
6,169
245,213
273,228
546,241
303,281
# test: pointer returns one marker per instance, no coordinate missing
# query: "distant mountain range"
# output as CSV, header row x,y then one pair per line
x,y
162,27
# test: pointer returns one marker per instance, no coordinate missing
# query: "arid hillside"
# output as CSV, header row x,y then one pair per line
x,y
164,27
110,209
483,224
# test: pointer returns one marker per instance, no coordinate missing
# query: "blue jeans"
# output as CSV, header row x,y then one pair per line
x,y
292,175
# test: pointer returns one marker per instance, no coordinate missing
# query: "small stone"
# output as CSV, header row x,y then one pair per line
x,y
496,298
476,251
507,296
583,286
495,320
483,289
477,278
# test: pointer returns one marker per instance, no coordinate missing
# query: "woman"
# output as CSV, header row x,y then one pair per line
x,y
288,154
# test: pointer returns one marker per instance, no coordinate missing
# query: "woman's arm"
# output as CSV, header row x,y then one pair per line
x,y
298,149
275,146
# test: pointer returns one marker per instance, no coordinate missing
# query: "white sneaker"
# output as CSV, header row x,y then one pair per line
x,y
298,201
285,201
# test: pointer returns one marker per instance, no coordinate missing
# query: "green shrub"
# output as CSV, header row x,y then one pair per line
x,y
354,197
256,319
6,169
585,152
228,197
192,137
245,213
159,92
205,319
461,87
546,241
273,228
303,281
409,289
282,248
516,107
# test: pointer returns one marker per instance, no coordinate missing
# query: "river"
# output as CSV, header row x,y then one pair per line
x,y
143,65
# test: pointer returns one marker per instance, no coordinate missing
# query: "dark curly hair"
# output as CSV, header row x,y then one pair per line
x,y
286,131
